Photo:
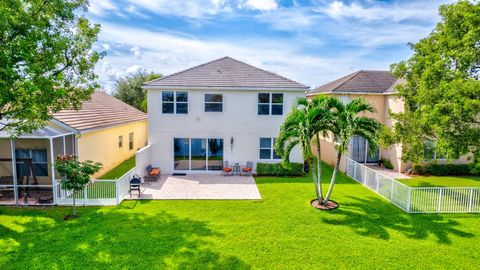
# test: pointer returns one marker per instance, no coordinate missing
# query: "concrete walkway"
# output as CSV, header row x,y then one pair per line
x,y
201,187
390,173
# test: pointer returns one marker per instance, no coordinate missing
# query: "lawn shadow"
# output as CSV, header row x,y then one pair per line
x,y
374,217
110,238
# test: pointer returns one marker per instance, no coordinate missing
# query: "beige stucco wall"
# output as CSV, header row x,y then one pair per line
x,y
102,145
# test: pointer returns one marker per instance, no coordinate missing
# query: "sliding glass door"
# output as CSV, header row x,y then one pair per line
x,y
359,151
198,154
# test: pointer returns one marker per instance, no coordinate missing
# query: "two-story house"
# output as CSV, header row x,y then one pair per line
x,y
378,88
223,110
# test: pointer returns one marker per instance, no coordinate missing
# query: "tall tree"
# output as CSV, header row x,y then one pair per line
x,y
301,128
129,89
442,87
46,60
346,122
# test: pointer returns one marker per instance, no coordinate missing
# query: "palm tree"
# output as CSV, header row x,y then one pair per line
x,y
346,122
305,122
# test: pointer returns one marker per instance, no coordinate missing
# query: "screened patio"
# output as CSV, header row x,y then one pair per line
x,y
27,175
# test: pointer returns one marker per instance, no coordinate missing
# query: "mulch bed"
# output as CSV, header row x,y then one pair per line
x,y
329,206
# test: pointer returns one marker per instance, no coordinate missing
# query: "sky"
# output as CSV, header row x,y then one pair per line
x,y
310,41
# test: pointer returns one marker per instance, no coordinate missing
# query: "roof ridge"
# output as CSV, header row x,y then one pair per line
x,y
264,70
185,70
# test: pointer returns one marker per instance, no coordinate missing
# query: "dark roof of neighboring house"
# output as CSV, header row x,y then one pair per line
x,y
227,72
363,81
101,111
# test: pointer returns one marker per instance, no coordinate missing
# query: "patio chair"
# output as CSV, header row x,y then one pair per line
x,y
227,170
135,184
248,169
152,173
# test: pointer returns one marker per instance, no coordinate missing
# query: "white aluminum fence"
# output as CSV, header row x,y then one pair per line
x,y
96,192
416,199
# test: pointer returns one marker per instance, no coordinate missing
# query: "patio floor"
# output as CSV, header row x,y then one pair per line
x,y
200,187
390,173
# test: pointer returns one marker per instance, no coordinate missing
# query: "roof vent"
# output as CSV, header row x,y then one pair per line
x,y
218,70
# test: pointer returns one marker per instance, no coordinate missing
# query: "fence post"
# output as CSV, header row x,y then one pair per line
x,y
409,199
376,179
439,206
85,195
470,201
117,193
355,171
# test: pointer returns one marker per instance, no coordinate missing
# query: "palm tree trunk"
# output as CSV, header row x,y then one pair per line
x,y
315,183
319,167
334,178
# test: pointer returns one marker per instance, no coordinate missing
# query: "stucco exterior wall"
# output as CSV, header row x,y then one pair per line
x,y
239,120
102,145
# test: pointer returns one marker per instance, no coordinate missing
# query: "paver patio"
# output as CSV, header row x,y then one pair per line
x,y
200,187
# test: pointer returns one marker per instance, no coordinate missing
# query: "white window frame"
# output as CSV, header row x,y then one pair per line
x,y
175,102
270,104
344,99
271,148
211,102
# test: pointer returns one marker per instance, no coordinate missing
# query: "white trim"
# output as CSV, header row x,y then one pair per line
x,y
52,162
352,93
175,102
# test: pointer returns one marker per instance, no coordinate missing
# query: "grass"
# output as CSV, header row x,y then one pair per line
x,y
281,231
120,170
442,181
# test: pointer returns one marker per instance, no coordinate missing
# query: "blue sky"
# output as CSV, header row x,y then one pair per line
x,y
311,41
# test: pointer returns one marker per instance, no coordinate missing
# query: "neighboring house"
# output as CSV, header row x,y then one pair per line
x,y
223,110
377,87
104,130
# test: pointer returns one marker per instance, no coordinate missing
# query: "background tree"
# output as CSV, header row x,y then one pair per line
x,y
75,174
346,122
301,128
129,89
46,60
442,87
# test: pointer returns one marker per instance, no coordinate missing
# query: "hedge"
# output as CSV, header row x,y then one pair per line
x,y
442,169
276,169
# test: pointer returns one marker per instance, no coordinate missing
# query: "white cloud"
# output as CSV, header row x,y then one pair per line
x,y
262,5
167,53
136,52
101,7
421,10
186,8
133,69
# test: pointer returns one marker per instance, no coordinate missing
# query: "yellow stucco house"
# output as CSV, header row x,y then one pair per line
x,y
377,87
105,130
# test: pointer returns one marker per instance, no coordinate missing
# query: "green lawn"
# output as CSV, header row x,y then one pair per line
x,y
442,181
120,170
281,231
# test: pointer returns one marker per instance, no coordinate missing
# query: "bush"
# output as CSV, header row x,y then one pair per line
x,y
386,163
276,169
442,169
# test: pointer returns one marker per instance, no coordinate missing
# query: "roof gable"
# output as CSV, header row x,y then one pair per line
x,y
363,81
226,72
101,111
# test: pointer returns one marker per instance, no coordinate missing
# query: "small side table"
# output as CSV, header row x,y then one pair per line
x,y
236,168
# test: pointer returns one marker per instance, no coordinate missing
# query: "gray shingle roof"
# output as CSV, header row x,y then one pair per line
x,y
226,72
363,81
101,111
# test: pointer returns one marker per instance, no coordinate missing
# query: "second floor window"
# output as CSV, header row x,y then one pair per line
x,y
120,141
174,102
213,103
270,104
130,141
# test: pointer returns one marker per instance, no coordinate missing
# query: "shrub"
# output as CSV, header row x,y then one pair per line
x,y
386,163
277,169
442,169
